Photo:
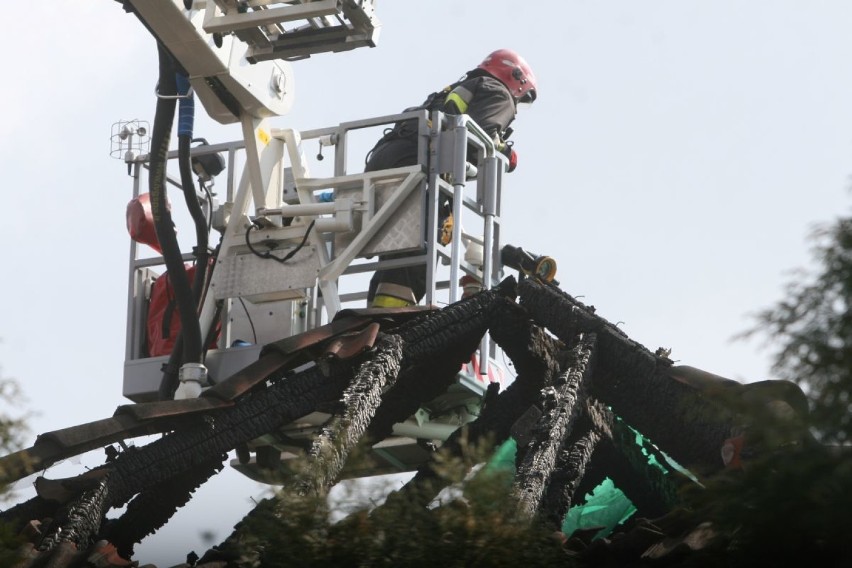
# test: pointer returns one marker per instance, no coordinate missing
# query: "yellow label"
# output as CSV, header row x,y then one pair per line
x,y
263,135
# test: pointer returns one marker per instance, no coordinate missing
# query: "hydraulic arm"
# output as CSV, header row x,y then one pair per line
x,y
236,53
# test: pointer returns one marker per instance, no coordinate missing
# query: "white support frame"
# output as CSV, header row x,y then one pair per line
x,y
410,178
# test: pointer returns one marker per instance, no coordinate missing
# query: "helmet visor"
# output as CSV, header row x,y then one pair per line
x,y
528,97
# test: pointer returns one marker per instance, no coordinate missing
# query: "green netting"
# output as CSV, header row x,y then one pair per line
x,y
605,508
669,462
504,457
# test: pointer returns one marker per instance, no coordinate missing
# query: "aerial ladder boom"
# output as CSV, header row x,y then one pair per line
x,y
236,53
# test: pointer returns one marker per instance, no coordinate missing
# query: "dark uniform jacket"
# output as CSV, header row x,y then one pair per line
x,y
479,95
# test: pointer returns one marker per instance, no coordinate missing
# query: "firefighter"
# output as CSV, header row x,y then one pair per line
x,y
489,94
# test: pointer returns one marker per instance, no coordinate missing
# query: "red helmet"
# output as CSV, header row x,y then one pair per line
x,y
510,69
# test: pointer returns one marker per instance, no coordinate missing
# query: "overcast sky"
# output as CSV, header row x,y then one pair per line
x,y
676,159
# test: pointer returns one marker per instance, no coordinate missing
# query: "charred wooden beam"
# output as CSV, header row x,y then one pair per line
x,y
360,400
80,520
158,417
535,356
254,415
634,382
561,404
152,509
147,467
129,421
435,347
34,509
573,463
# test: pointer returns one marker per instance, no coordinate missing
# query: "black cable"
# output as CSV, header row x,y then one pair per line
x,y
248,317
268,254
186,124
202,255
209,213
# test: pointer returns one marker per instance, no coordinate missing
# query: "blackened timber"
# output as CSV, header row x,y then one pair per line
x,y
561,404
360,400
152,509
255,414
573,463
433,334
36,508
534,354
435,347
147,467
634,382
80,520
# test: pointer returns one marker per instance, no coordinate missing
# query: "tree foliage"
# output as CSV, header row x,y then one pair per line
x,y
13,424
790,504
477,524
812,328
13,432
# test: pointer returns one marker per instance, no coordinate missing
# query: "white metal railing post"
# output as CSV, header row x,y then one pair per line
x,y
133,325
433,202
459,173
489,210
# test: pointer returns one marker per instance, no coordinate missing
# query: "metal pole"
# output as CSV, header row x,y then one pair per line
x,y
431,155
489,210
133,326
459,174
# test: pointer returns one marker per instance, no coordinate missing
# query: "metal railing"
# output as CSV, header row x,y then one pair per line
x,y
456,161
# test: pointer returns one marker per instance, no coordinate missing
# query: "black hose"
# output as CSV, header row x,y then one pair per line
x,y
171,370
202,253
185,125
161,132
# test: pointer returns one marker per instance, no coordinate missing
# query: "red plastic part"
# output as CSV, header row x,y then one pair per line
x,y
140,222
163,324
